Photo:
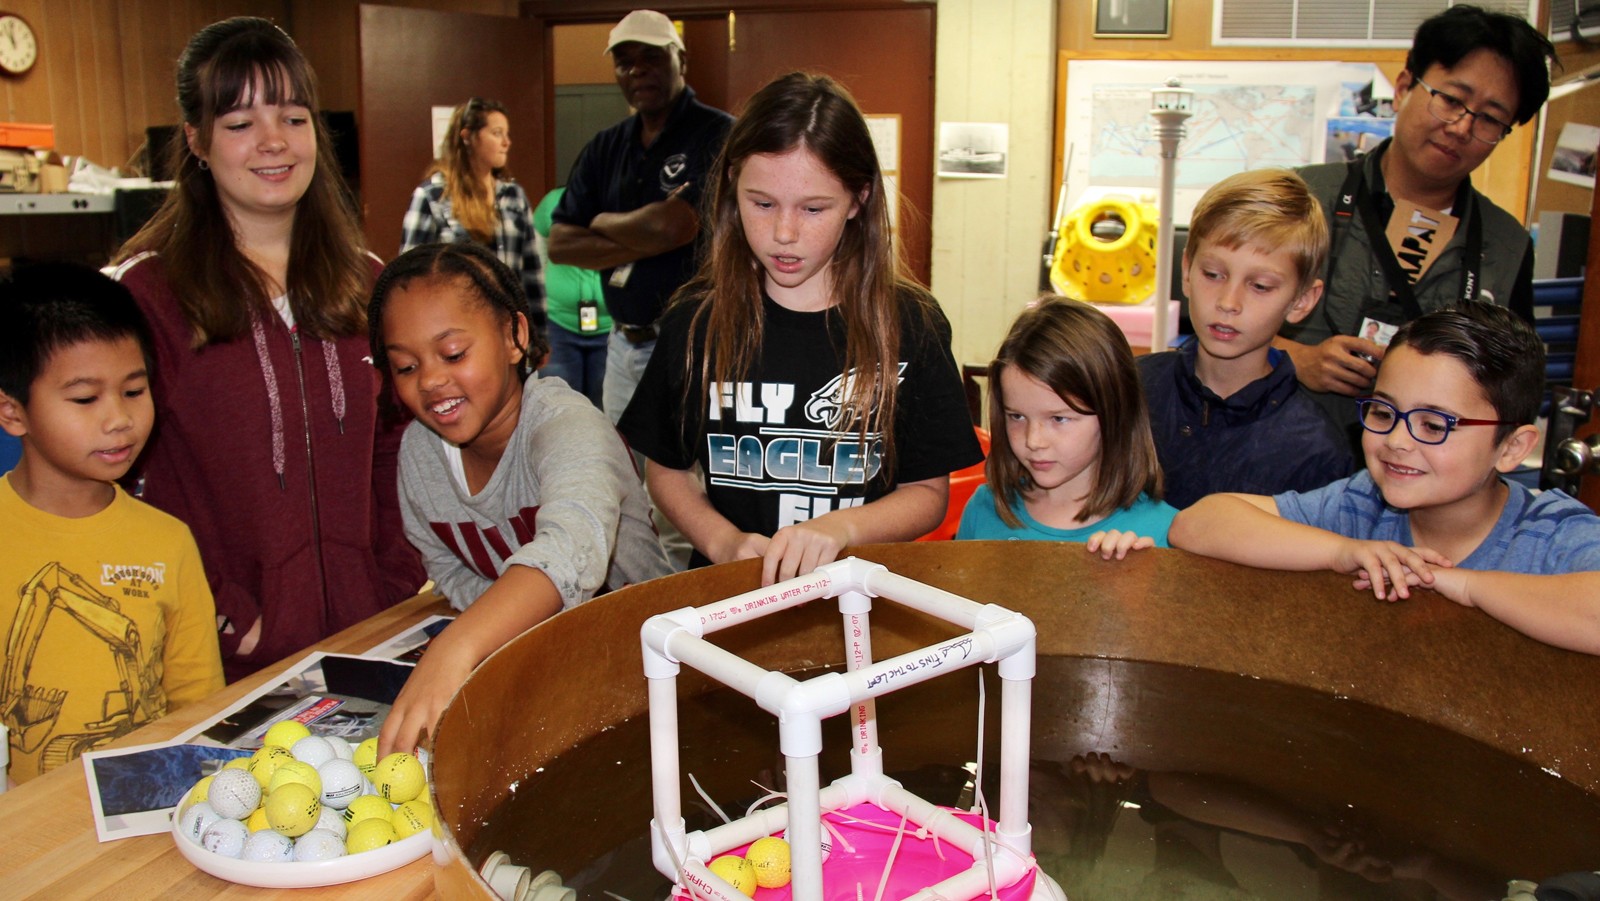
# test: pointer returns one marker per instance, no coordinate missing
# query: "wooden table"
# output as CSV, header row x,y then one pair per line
x,y
48,847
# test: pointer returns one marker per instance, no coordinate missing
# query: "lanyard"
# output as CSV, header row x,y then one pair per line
x,y
1354,199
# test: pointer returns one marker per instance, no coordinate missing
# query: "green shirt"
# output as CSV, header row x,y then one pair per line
x,y
566,286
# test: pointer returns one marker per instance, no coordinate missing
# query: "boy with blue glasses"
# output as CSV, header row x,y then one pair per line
x,y
1452,412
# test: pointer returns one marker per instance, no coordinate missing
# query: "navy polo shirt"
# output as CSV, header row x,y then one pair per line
x,y
615,174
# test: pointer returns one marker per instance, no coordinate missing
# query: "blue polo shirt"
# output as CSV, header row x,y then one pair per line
x,y
616,174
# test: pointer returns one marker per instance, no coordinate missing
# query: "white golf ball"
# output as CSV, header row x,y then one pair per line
x,y
225,837
234,794
268,846
318,844
332,819
194,821
341,748
313,749
341,783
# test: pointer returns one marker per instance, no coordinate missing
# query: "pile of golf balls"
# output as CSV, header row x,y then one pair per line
x,y
306,797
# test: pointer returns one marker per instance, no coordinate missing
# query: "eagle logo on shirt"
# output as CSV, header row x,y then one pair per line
x,y
826,405
673,169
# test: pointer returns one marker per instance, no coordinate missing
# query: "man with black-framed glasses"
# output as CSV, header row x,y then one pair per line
x,y
1408,231
1451,414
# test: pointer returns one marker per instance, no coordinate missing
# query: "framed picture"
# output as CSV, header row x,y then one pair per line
x,y
1133,18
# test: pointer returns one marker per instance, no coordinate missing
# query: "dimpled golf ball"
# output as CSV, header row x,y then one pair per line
x,y
313,749
770,857
194,821
332,820
399,777
410,818
366,807
258,821
267,847
225,837
295,771
370,833
366,755
318,844
266,761
737,872
341,748
233,794
341,783
293,809
285,733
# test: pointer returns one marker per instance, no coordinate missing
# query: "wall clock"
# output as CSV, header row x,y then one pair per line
x,y
19,50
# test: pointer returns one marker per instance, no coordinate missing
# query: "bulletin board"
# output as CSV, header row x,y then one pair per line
x,y
1247,114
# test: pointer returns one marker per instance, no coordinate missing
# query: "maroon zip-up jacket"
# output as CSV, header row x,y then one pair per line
x,y
293,498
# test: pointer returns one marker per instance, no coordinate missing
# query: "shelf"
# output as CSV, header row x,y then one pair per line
x,y
49,204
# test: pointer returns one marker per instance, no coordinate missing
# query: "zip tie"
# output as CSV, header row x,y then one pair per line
x,y
977,777
707,798
888,862
839,837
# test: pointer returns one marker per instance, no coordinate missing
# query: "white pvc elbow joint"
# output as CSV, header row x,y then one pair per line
x,y
1013,635
656,634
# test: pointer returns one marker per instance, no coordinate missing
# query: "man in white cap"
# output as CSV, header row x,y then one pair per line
x,y
631,200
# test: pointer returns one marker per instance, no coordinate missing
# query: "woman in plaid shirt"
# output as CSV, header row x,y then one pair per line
x,y
468,196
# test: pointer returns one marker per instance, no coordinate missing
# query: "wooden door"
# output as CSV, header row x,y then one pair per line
x,y
884,57
415,59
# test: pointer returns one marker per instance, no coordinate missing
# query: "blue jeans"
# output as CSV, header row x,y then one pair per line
x,y
579,360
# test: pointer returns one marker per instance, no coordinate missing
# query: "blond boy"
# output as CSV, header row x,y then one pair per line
x,y
1227,411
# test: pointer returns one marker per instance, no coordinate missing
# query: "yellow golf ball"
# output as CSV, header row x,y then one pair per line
x,y
295,771
266,761
410,818
737,872
367,807
292,809
258,820
237,763
284,734
399,777
374,832
365,756
770,857
198,791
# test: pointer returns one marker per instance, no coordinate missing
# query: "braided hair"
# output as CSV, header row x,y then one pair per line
x,y
490,280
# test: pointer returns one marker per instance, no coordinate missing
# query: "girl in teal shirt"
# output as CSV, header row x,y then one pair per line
x,y
1078,462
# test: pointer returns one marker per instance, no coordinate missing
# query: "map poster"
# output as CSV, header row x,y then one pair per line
x,y
1246,115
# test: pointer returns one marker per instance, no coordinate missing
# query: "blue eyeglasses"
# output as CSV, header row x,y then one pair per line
x,y
1425,425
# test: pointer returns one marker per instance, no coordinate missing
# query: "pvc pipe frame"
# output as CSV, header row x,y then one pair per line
x,y
995,635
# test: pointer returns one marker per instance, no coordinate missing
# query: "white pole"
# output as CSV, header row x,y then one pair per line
x,y
866,757
1170,111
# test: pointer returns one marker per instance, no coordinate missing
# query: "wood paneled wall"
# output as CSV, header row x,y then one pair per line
x,y
105,69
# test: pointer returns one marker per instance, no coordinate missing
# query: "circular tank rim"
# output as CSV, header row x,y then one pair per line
x,y
1425,658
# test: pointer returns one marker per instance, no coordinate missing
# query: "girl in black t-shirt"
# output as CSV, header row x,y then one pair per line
x,y
800,461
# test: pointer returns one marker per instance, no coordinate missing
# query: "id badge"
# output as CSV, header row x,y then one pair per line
x,y
588,316
619,275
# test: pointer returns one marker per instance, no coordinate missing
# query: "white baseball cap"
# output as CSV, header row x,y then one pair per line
x,y
647,27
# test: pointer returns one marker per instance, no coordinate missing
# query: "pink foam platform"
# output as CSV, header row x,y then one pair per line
x,y
870,830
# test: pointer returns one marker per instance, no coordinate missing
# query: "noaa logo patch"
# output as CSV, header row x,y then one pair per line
x,y
673,169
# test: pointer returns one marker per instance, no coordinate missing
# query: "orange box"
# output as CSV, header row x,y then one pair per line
x,y
27,134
